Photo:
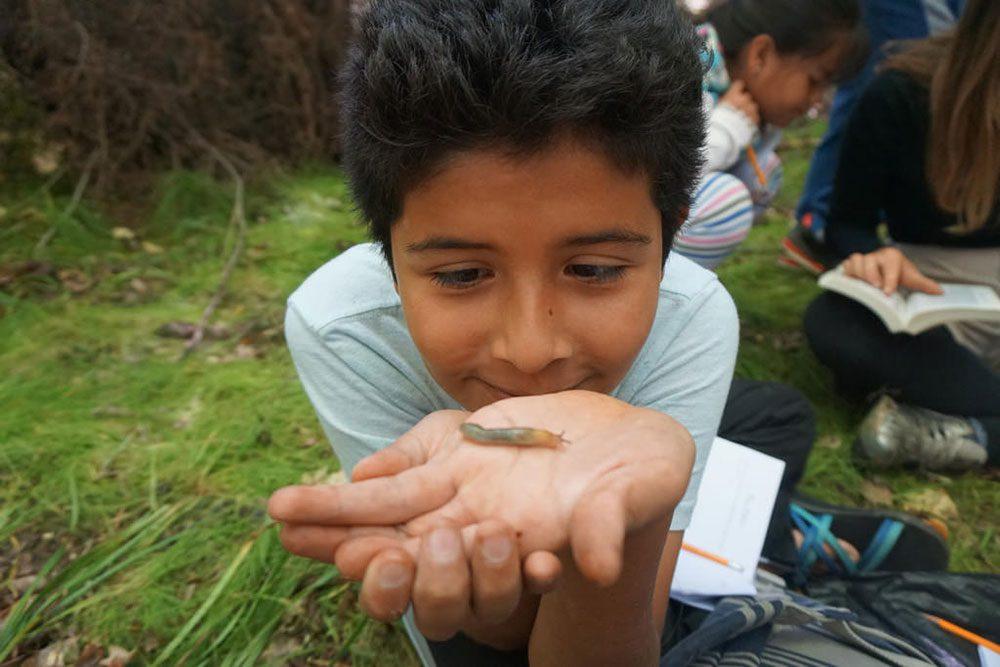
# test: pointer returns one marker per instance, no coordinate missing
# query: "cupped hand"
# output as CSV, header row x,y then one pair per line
x,y
889,269
622,468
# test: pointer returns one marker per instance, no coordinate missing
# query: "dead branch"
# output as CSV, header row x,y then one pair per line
x,y
237,220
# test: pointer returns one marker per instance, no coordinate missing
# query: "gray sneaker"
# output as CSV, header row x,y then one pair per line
x,y
894,434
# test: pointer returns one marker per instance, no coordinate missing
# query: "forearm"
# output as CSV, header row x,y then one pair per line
x,y
583,624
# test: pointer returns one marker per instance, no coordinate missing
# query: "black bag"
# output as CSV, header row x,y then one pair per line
x,y
898,602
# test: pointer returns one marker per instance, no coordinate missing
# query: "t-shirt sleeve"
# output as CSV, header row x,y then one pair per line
x,y
691,378
363,397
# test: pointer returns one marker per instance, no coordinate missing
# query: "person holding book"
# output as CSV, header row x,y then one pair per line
x,y
887,21
767,63
922,153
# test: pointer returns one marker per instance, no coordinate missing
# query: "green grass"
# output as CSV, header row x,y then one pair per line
x,y
133,482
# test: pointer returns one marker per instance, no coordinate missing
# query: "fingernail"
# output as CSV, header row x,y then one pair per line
x,y
496,549
444,545
392,575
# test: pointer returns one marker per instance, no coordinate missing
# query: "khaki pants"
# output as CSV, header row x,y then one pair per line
x,y
979,266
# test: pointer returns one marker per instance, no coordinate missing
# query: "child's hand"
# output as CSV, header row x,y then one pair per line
x,y
623,468
738,98
451,586
889,269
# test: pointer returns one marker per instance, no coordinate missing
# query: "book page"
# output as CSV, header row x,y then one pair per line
x,y
955,297
730,519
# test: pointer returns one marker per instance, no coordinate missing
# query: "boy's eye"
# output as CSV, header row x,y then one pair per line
x,y
460,278
596,273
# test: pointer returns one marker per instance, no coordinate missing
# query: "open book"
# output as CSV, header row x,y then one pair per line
x,y
915,312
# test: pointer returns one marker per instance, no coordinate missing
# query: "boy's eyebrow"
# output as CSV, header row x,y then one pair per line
x,y
446,243
454,243
610,236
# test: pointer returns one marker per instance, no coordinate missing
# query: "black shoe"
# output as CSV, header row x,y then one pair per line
x,y
807,252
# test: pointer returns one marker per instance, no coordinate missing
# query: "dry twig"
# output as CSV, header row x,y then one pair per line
x,y
237,220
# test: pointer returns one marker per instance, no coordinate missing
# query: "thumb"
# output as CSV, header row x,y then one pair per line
x,y
411,449
914,280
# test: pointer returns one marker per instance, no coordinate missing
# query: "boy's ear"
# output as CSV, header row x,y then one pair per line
x,y
758,55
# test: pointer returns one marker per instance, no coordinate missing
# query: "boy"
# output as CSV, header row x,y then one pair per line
x,y
523,166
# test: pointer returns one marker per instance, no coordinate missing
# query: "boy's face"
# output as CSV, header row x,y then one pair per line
x,y
528,275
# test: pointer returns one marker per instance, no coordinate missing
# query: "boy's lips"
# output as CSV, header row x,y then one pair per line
x,y
507,392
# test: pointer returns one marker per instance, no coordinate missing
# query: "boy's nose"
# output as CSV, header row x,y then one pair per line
x,y
529,335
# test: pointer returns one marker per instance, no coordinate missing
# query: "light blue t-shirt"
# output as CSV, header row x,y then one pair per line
x,y
369,384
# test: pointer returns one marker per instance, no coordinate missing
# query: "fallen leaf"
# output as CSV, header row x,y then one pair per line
x,y
122,234
280,650
876,493
117,657
151,248
184,331
3,212
74,280
830,442
90,656
244,351
47,160
59,653
930,502
10,272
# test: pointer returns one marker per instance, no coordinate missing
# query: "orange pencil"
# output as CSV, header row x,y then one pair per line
x,y
710,556
752,156
964,634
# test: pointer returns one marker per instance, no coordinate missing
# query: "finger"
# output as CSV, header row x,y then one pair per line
x,y
496,573
597,535
385,591
442,585
852,265
913,279
891,272
541,572
632,497
406,452
321,542
380,501
871,271
354,556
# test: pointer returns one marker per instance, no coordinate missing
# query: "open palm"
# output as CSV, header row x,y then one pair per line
x,y
622,467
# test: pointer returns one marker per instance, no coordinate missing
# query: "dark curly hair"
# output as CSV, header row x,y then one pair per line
x,y
430,78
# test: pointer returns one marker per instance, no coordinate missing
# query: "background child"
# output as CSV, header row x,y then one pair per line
x,y
922,152
524,168
768,62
